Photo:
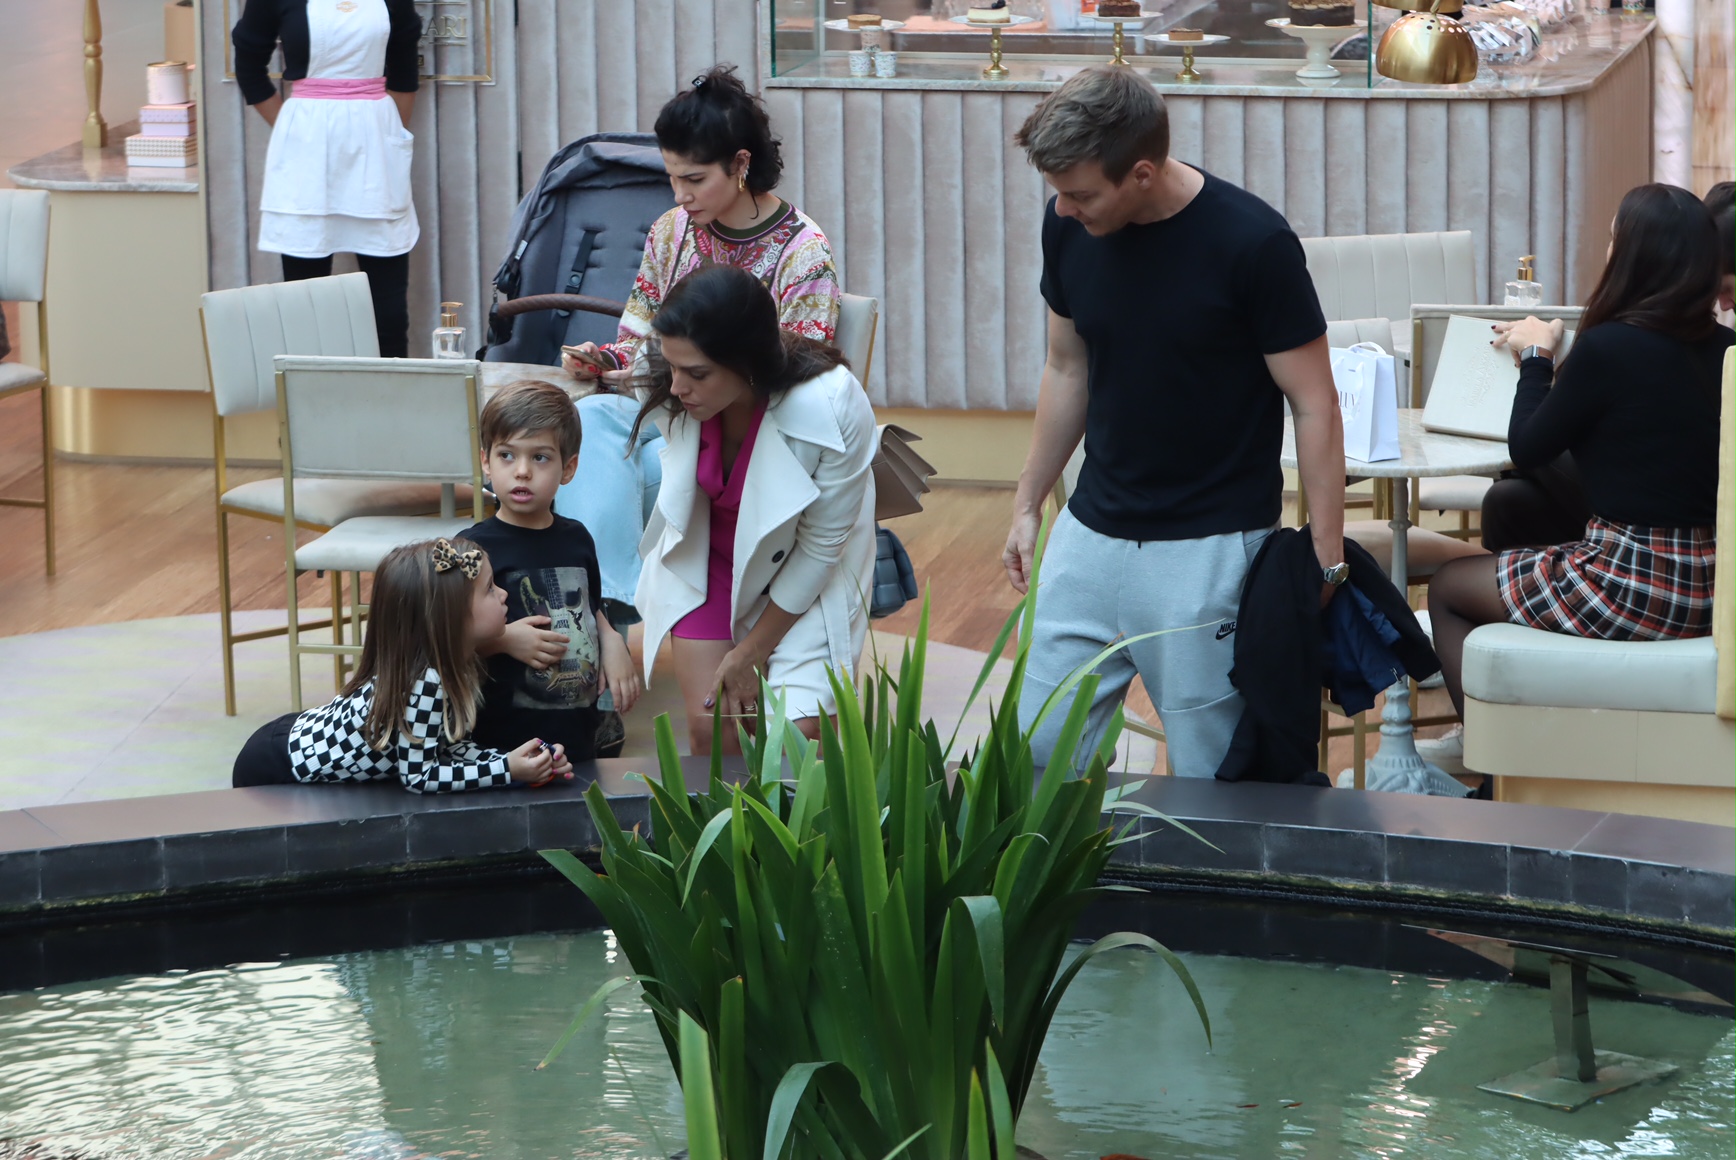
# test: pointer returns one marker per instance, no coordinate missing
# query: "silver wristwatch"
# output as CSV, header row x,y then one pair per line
x,y
1535,351
1337,574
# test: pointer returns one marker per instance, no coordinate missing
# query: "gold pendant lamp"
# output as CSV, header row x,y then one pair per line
x,y
1425,46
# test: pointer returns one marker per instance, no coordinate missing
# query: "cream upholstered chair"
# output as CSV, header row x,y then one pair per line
x,y
245,329
858,322
24,278
1458,493
409,421
1639,727
1380,275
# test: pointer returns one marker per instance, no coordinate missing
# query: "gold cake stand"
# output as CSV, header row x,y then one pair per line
x,y
1118,22
1189,74
996,71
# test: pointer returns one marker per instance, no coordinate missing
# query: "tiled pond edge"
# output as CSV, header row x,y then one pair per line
x,y
1667,876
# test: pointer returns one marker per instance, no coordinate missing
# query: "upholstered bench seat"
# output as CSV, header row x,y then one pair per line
x,y
1510,664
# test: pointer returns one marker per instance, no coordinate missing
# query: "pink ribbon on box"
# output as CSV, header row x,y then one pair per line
x,y
340,88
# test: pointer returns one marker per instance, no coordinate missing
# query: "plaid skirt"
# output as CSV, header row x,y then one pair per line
x,y
1621,582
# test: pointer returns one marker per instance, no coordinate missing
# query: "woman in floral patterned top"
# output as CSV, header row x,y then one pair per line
x,y
723,163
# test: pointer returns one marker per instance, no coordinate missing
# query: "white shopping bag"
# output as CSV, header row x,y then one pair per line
x,y
1368,400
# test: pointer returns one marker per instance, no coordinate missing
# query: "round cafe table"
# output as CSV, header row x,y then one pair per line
x,y
1396,767
496,375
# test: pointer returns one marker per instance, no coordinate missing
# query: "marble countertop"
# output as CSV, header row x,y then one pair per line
x,y
71,168
1574,57
1422,453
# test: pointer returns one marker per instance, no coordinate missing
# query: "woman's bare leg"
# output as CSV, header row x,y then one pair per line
x,y
1462,595
696,664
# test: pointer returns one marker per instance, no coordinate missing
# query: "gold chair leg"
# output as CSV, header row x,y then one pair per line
x,y
1359,750
47,477
294,633
337,586
1325,743
225,612
355,619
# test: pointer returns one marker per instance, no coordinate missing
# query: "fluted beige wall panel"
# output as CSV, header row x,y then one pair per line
x,y
929,205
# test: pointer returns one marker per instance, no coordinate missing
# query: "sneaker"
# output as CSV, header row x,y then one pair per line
x,y
1446,751
611,734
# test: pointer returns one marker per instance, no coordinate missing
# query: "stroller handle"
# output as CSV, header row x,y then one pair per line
x,y
513,307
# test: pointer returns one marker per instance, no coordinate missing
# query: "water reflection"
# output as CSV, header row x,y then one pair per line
x,y
429,1052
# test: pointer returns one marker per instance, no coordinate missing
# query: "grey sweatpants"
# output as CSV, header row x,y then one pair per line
x,y
1095,589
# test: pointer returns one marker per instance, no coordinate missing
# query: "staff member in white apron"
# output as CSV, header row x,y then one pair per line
x,y
337,171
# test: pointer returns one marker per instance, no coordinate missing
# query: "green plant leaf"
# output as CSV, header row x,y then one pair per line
x,y
590,1005
984,912
707,836
977,1137
1000,1108
697,1095
906,1142
785,1099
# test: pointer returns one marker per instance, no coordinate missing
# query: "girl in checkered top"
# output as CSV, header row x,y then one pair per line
x,y
408,710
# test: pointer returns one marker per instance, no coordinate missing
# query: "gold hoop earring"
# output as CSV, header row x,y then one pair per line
x,y
741,182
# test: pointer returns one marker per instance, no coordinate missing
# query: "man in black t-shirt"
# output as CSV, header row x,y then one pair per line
x,y
1181,315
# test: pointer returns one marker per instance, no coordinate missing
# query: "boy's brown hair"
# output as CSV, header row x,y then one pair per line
x,y
531,405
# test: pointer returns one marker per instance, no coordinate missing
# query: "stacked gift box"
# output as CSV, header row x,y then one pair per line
x,y
168,137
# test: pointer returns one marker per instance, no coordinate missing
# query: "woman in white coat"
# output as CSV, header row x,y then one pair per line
x,y
760,555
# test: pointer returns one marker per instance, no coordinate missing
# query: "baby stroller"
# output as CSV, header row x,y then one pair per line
x,y
577,241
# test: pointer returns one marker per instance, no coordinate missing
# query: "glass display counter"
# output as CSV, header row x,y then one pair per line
x,y
1282,44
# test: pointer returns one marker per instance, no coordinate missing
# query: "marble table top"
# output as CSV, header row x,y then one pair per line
x,y
496,375
71,168
1422,453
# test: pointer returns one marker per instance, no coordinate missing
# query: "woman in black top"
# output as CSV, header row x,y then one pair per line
x,y
1637,403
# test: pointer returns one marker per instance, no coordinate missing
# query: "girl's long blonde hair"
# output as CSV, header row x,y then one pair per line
x,y
419,619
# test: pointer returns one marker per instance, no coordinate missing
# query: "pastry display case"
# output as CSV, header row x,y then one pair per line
x,y
1241,43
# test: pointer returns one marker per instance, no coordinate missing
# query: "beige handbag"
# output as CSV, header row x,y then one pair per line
x,y
900,474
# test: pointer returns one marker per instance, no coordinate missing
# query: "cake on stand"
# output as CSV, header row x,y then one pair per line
x,y
996,71
1138,18
1189,74
1320,40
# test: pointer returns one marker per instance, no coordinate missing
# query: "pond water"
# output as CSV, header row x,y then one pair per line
x,y
428,1052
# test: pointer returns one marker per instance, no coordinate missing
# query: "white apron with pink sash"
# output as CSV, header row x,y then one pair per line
x,y
337,171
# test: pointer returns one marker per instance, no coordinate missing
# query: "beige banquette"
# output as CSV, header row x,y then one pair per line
x,y
1641,727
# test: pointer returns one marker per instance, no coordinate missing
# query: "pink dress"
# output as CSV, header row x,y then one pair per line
x,y
712,620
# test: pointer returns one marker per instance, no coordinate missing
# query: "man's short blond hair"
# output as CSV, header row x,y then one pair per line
x,y
1104,114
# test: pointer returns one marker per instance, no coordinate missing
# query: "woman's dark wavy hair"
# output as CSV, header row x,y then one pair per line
x,y
730,316
1663,268
717,118
1720,202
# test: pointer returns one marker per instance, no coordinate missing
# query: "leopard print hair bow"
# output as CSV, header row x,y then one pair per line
x,y
446,558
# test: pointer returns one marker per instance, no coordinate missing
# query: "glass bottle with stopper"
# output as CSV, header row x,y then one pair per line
x,y
449,336
1524,290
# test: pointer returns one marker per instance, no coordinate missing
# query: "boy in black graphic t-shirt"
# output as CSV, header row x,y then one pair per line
x,y
558,656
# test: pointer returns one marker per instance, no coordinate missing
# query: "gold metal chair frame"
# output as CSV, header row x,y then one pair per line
x,y
225,593
46,503
344,652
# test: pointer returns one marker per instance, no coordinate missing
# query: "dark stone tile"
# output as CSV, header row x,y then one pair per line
x,y
228,856
1440,864
464,830
1240,845
1708,899
325,847
1357,857
102,870
1209,799
1662,840
1600,883
561,825
1540,875
20,879
633,811
20,831
1656,891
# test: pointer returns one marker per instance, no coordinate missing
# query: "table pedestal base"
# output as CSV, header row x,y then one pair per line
x,y
1395,766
